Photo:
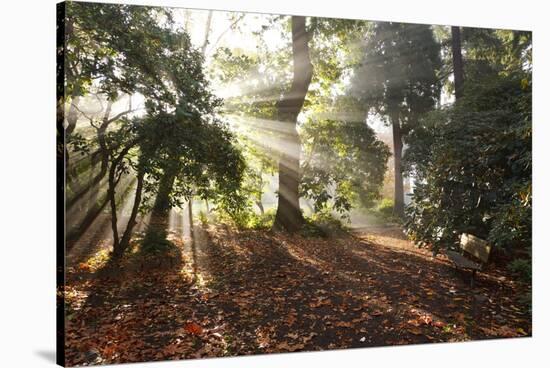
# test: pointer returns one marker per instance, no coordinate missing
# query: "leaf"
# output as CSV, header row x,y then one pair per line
x,y
343,324
285,346
193,328
84,266
426,319
415,330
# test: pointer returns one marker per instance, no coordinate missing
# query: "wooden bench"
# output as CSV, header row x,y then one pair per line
x,y
477,248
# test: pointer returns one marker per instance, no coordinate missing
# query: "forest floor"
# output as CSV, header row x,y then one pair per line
x,y
247,292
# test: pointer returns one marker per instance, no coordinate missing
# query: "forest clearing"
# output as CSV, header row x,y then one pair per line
x,y
240,183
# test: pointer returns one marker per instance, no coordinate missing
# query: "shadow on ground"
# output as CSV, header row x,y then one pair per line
x,y
230,292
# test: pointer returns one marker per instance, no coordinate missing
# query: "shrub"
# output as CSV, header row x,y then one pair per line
x,y
522,268
203,219
247,219
472,168
262,221
322,224
385,208
155,242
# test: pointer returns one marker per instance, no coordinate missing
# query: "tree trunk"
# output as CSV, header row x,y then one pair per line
x,y
260,206
72,115
94,194
399,197
125,241
206,33
190,213
288,216
111,192
104,153
161,207
458,65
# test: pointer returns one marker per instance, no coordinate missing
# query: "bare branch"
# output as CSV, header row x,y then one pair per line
x,y
231,26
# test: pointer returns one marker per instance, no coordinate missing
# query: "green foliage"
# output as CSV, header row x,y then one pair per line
x,y
262,221
179,145
322,224
155,242
259,79
115,46
522,268
472,167
345,163
384,211
496,52
203,218
385,207
247,219
398,73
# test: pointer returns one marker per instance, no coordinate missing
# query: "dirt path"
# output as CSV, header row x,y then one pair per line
x,y
234,293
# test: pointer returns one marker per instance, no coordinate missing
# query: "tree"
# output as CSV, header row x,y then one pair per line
x,y
289,216
398,80
458,68
472,164
111,51
345,164
259,75
472,160
167,151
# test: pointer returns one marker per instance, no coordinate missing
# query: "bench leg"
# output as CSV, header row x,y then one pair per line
x,y
472,279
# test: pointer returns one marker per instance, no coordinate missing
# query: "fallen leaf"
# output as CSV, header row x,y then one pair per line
x,y
193,328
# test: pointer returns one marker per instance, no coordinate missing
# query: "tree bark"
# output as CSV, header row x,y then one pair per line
x,y
458,64
111,192
399,196
288,216
190,213
125,241
206,33
260,206
161,207
72,115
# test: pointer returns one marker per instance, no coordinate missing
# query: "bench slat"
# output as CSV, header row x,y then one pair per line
x,y
475,246
462,261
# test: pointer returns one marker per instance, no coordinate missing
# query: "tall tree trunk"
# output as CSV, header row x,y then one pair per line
x,y
190,213
161,208
288,216
399,196
458,64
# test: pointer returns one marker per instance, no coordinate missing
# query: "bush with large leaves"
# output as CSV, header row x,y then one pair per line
x,y
472,167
